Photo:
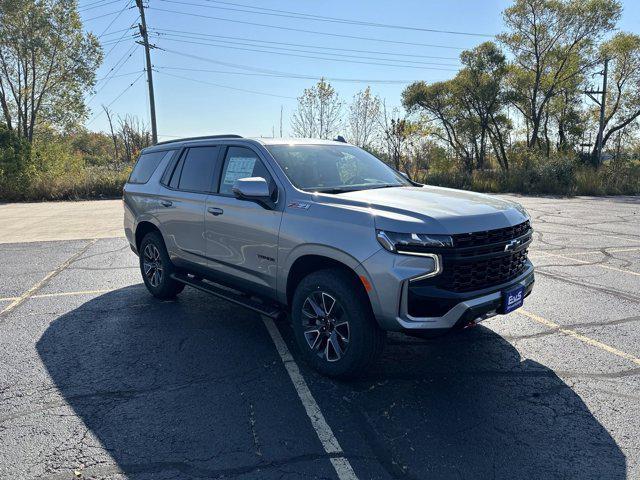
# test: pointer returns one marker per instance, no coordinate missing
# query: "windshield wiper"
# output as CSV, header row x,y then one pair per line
x,y
332,190
389,185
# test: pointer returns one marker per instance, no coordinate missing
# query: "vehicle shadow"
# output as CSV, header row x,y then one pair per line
x,y
195,388
190,388
467,406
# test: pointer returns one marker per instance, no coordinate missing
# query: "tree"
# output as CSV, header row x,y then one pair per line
x,y
395,133
114,137
551,42
135,136
364,112
623,92
439,103
47,64
479,86
318,113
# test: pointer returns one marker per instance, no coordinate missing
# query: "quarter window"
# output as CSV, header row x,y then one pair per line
x,y
146,165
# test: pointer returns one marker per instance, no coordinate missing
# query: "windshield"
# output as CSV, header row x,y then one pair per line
x,y
334,168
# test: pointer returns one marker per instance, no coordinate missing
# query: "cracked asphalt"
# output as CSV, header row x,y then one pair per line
x,y
100,380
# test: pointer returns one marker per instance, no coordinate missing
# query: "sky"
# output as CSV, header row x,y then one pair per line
x,y
216,69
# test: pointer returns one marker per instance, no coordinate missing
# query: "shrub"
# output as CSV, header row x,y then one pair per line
x,y
16,168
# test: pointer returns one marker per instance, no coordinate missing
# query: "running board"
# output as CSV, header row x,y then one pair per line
x,y
269,310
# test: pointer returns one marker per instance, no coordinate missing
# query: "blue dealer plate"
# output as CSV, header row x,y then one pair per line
x,y
512,299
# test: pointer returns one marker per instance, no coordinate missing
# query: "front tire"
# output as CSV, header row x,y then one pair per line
x,y
334,325
156,268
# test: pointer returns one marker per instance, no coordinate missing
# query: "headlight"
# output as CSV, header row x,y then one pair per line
x,y
411,243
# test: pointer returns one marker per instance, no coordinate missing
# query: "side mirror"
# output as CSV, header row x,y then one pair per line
x,y
253,189
404,174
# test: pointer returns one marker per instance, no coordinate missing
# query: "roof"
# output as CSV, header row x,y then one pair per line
x,y
297,141
264,141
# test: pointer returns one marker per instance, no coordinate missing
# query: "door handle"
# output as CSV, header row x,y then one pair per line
x,y
166,203
215,211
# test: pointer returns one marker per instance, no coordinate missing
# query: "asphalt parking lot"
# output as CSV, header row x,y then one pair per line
x,y
100,380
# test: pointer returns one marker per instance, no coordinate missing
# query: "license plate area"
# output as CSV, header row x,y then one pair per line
x,y
512,298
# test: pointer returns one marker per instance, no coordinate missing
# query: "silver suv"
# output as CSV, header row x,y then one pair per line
x,y
326,232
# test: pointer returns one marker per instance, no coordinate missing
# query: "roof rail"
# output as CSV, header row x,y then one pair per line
x,y
205,137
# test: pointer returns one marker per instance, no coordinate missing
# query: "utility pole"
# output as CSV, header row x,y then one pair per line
x,y
280,121
602,104
145,42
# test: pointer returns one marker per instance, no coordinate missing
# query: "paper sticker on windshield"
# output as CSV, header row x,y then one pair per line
x,y
238,167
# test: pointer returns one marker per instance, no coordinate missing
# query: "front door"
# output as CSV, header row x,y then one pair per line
x,y
242,236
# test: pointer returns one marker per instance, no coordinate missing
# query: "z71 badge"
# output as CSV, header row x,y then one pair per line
x,y
300,205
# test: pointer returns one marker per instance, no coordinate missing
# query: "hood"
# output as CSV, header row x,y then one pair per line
x,y
434,210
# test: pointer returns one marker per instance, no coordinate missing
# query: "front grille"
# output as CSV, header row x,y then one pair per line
x,y
466,276
478,260
477,239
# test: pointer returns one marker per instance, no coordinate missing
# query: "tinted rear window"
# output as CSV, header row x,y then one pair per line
x,y
146,165
198,168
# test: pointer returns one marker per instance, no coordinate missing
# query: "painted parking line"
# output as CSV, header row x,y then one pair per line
x,y
592,252
19,300
61,294
323,430
583,338
608,267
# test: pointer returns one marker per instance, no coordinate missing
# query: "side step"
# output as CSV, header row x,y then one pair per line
x,y
270,310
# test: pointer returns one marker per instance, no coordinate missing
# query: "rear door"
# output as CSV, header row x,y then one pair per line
x,y
182,197
242,236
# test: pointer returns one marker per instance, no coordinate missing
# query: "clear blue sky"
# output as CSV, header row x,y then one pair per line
x,y
186,107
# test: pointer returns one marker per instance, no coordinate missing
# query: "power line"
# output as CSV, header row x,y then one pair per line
x,y
226,86
115,18
319,18
95,117
103,15
92,3
103,4
315,32
116,42
119,76
304,45
115,32
314,57
292,76
113,70
285,49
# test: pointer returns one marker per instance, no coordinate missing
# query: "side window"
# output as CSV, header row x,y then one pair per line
x,y
241,162
197,169
146,165
175,178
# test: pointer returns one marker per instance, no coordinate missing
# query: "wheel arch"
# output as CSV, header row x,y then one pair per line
x,y
143,228
312,261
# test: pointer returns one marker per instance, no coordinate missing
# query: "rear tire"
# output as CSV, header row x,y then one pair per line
x,y
156,268
334,325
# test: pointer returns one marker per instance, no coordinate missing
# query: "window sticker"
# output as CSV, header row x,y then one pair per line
x,y
238,167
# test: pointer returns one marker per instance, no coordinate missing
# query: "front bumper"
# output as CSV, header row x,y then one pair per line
x,y
389,275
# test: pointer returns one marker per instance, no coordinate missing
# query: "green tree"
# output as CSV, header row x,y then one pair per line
x,y
319,112
623,92
438,104
552,42
15,166
480,89
468,108
47,64
363,118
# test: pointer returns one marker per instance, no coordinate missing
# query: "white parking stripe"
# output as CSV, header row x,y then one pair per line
x,y
19,300
323,430
586,262
579,336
